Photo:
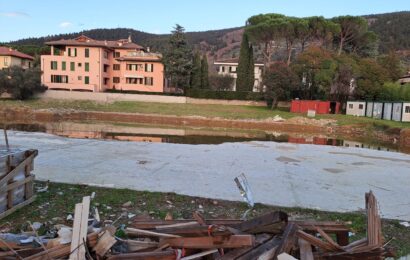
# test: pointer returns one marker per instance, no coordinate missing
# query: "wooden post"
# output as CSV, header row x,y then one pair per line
x,y
6,138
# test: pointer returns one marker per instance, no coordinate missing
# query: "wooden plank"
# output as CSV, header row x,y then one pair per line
x,y
16,170
16,184
259,224
305,250
155,224
198,230
187,224
75,241
234,241
374,234
104,243
288,240
141,232
265,248
10,196
19,206
199,255
84,226
162,255
335,246
342,238
135,245
314,241
327,226
235,253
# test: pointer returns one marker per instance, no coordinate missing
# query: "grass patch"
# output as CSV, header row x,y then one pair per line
x,y
53,206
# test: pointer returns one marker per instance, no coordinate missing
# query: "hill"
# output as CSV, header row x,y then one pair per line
x,y
393,30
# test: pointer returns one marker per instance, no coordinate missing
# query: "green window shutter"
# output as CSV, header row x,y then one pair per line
x,y
63,65
69,52
152,67
75,52
72,66
87,53
86,80
87,66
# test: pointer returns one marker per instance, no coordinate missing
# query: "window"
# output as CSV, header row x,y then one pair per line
x,y
72,66
134,80
79,64
351,106
116,67
87,67
106,80
116,80
63,65
59,79
232,69
117,54
56,51
223,68
6,61
134,67
407,109
87,53
54,65
149,67
72,52
86,80
80,78
105,55
360,106
149,81
106,68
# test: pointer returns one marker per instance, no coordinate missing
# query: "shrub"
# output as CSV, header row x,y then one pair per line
x,y
221,82
227,95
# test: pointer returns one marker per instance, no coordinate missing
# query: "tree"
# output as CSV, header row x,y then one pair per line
x,y
245,71
178,60
370,80
221,82
196,71
21,84
204,73
280,81
265,29
391,62
351,28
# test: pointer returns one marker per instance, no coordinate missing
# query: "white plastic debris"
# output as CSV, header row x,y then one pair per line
x,y
43,189
278,118
65,234
70,217
36,225
245,189
93,195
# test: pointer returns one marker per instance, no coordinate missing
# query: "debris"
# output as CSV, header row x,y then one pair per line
x,y
245,189
278,118
36,225
270,236
127,204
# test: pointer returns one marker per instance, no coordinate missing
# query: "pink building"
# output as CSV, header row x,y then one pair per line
x,y
85,64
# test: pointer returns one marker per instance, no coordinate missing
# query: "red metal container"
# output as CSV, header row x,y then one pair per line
x,y
321,107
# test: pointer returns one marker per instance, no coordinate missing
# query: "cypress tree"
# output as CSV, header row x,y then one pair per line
x,y
204,73
251,67
196,72
242,81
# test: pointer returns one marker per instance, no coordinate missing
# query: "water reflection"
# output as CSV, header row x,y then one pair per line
x,y
144,133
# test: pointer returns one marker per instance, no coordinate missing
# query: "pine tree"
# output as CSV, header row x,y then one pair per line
x,y
178,59
196,77
245,72
204,73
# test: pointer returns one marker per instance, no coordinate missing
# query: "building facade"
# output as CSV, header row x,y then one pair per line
x,y
229,67
10,57
84,64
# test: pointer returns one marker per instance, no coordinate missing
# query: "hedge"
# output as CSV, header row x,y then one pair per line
x,y
226,95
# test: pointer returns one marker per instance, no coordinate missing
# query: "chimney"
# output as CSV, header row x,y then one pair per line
x,y
129,38
105,42
148,49
10,49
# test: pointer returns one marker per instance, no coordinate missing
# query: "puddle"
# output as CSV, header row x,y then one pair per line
x,y
193,136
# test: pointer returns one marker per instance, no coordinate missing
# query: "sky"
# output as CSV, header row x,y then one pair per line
x,y
32,18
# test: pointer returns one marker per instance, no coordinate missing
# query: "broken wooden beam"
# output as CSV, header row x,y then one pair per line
x,y
233,241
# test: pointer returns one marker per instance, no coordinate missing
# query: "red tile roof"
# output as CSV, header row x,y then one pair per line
x,y
6,51
86,41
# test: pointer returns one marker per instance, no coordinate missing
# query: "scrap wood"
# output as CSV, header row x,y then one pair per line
x,y
80,228
233,241
199,218
104,243
199,255
162,255
263,224
305,250
187,224
329,240
199,230
268,247
22,252
54,253
314,241
10,248
155,224
141,232
373,220
135,245
233,254
327,226
288,240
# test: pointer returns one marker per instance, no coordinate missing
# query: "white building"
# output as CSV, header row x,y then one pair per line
x,y
356,108
229,67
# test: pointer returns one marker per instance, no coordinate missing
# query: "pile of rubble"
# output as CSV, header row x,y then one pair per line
x,y
271,236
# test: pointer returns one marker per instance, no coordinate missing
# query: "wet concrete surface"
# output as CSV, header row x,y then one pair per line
x,y
308,176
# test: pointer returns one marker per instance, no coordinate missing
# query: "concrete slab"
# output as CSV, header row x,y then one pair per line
x,y
309,176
